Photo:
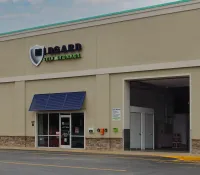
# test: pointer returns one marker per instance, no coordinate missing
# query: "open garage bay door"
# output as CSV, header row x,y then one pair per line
x,y
159,114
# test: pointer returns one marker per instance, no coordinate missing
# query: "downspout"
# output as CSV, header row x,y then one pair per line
x,y
25,112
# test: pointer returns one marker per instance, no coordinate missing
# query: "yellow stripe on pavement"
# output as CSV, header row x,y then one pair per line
x,y
60,166
50,154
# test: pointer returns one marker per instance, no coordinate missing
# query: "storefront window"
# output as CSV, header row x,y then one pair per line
x,y
53,141
77,142
43,141
49,130
42,124
53,123
54,130
77,122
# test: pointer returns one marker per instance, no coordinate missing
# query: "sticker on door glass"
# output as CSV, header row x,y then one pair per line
x,y
65,134
65,139
76,130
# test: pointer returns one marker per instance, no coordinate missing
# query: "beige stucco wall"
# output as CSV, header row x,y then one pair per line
x,y
15,53
104,92
166,38
6,108
151,40
156,39
19,112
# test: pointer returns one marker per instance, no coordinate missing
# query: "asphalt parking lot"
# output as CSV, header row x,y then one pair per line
x,y
14,162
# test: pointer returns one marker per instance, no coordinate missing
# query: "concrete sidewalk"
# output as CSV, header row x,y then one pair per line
x,y
175,155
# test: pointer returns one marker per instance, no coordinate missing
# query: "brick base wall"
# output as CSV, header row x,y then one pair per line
x,y
17,141
91,143
195,146
104,143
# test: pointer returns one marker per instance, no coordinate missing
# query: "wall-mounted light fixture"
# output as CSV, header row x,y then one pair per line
x,y
33,123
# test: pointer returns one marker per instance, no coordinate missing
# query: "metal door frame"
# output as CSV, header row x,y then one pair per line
x,y
70,125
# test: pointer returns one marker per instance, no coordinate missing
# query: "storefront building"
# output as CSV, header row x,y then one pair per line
x,y
126,81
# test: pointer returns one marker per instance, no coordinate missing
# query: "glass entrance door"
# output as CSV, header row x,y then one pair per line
x,y
65,128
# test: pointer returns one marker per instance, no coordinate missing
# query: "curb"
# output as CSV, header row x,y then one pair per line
x,y
98,152
81,151
186,158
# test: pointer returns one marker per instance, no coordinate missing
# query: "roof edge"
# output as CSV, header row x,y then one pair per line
x,y
91,18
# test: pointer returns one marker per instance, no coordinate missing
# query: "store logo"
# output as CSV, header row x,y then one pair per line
x,y
39,53
36,54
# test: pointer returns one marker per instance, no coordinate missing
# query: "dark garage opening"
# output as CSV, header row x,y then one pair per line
x,y
170,100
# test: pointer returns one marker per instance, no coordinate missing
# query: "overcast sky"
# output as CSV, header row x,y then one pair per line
x,y
20,14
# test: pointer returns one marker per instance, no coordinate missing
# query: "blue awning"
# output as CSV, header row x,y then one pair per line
x,y
67,101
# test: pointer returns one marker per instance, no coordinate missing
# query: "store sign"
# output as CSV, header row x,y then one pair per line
x,y
65,52
116,114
